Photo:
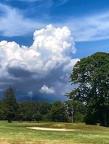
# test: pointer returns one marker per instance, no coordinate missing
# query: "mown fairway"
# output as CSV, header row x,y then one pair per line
x,y
18,133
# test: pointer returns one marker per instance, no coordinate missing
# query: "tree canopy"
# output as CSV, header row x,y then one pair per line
x,y
58,112
91,77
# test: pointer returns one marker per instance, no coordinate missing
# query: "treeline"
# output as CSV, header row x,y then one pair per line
x,y
58,111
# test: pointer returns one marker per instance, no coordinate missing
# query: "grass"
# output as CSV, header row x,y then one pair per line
x,y
18,133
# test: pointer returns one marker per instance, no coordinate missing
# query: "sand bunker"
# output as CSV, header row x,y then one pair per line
x,y
49,129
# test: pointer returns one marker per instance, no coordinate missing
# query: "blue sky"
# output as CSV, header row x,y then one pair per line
x,y
41,40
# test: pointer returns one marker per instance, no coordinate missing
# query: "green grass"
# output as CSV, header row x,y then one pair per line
x,y
18,133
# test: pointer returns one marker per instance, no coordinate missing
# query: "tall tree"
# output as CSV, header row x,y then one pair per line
x,y
91,77
10,104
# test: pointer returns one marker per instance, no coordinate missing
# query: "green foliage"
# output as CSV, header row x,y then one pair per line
x,y
43,109
58,112
91,76
10,105
76,110
2,112
27,111
33,111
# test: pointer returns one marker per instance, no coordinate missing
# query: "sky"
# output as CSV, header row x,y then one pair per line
x,y
41,40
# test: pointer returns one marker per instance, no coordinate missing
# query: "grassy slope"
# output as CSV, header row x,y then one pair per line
x,y
17,133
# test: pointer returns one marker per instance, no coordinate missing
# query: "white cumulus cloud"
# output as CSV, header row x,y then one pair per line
x,y
46,90
39,67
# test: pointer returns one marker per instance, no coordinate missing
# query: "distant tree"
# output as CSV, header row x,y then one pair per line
x,y
91,77
43,109
38,116
76,110
58,112
2,114
10,105
27,111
